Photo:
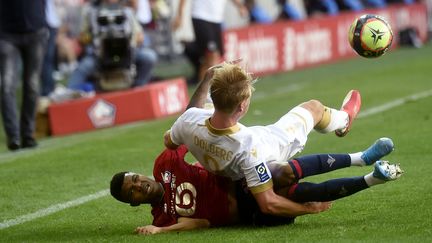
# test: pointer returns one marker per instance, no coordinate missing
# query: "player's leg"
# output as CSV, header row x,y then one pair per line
x,y
288,173
338,188
291,130
329,119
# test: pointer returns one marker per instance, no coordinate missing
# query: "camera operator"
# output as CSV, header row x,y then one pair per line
x,y
114,50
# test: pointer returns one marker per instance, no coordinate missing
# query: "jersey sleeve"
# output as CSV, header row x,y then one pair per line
x,y
177,129
180,130
257,173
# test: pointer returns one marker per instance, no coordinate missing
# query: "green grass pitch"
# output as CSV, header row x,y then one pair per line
x,y
397,103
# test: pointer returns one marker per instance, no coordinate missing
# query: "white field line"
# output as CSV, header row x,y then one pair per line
x,y
395,103
52,209
58,207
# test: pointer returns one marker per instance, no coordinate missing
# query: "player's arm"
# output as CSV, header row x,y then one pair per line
x,y
168,142
199,97
271,203
181,225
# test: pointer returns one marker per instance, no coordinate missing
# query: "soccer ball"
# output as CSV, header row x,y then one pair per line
x,y
370,35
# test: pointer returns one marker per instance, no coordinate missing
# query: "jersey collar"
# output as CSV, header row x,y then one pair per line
x,y
225,131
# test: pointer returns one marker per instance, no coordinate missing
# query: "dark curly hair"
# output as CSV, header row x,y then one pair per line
x,y
116,186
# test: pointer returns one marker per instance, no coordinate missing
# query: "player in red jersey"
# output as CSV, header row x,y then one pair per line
x,y
185,196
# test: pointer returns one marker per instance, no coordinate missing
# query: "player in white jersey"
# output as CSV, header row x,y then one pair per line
x,y
225,147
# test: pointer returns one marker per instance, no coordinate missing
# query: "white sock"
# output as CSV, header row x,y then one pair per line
x,y
356,159
372,181
338,120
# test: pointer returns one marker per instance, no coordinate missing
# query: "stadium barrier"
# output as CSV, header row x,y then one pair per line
x,y
109,109
289,45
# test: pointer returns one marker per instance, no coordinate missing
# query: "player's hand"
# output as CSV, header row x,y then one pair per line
x,y
148,230
210,72
318,207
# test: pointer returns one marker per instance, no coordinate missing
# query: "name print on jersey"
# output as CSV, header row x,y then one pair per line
x,y
213,149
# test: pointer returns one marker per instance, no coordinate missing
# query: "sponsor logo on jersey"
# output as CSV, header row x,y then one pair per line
x,y
261,170
166,177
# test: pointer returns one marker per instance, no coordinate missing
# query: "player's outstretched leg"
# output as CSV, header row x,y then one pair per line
x,y
351,105
289,173
339,121
383,172
381,148
310,165
338,188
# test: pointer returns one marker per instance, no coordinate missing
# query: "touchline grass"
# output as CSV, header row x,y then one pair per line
x,y
63,169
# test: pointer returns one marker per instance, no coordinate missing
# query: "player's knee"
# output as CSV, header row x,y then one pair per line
x,y
283,175
315,107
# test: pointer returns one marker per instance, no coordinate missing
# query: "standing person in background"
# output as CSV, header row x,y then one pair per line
x,y
207,18
23,33
48,66
144,16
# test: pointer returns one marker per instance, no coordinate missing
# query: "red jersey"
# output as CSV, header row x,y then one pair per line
x,y
190,191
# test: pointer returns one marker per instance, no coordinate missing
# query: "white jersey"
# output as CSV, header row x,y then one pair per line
x,y
239,151
208,10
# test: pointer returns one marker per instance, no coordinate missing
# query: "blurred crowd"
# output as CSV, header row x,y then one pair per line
x,y
75,48
103,45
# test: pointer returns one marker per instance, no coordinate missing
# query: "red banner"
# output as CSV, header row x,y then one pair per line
x,y
288,45
109,109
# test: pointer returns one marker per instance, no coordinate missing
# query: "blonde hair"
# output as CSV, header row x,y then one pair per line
x,y
230,86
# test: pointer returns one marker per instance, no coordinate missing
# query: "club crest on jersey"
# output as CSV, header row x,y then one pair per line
x,y
261,170
166,177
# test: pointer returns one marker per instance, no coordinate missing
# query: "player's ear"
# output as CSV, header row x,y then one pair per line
x,y
243,105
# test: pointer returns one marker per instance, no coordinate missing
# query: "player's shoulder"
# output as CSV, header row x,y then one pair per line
x,y
247,136
171,156
195,113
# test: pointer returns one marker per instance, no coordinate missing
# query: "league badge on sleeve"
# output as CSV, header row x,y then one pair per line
x,y
262,172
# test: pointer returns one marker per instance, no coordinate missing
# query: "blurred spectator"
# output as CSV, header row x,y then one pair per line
x,y
114,46
350,5
319,7
155,19
67,44
49,61
207,48
257,14
374,3
23,33
291,9
401,1
144,16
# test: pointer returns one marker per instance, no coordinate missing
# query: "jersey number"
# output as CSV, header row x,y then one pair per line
x,y
185,199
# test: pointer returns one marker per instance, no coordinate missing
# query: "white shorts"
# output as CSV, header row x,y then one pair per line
x,y
291,132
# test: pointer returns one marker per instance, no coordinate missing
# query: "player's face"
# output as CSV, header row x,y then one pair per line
x,y
138,189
